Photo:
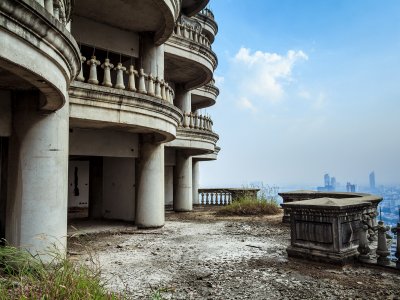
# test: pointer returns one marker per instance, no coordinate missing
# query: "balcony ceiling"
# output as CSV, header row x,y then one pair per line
x,y
133,15
192,7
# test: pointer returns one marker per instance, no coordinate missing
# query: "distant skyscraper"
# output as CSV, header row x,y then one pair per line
x,y
333,183
372,180
327,180
350,188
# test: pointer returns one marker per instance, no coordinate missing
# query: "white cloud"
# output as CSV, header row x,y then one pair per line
x,y
246,104
219,80
262,75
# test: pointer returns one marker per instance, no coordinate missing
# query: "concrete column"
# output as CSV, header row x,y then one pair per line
x,y
196,181
152,57
183,101
183,192
38,176
150,194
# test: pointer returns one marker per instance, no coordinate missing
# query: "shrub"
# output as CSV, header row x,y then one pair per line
x,y
23,276
247,206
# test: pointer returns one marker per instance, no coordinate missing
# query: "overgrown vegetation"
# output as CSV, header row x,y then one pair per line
x,y
264,204
23,276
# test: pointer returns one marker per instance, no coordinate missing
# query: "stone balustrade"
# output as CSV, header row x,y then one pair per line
x,y
127,78
60,9
191,33
207,12
195,121
224,196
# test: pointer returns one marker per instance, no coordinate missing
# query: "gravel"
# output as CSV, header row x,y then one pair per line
x,y
200,256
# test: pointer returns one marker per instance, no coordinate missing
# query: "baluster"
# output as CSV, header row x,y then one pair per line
x,y
191,33
382,250
57,13
151,91
185,31
206,197
196,36
190,120
131,79
48,5
195,122
167,94
158,88
363,247
142,84
80,75
120,76
107,66
178,29
201,198
163,96
397,254
93,63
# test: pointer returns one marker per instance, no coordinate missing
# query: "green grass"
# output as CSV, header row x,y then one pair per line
x,y
23,276
247,206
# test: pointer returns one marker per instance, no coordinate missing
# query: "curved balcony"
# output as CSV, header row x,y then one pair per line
x,y
157,16
135,102
191,7
189,60
37,52
208,23
208,157
195,135
204,96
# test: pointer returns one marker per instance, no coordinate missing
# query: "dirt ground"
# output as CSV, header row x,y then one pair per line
x,y
200,256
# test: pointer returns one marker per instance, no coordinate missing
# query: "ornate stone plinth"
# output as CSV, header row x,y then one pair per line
x,y
325,229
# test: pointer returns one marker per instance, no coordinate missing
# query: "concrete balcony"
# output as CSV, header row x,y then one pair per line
x,y
208,23
37,51
189,60
195,135
208,157
204,96
94,106
191,7
156,16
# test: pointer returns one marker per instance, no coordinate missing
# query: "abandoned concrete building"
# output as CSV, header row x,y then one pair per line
x,y
100,109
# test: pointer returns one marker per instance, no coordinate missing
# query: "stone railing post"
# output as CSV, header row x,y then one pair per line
x,y
163,95
382,250
142,84
120,76
93,63
363,247
151,88
107,66
396,231
80,75
131,79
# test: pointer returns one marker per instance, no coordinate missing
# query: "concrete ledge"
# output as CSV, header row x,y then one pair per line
x,y
342,258
93,106
36,47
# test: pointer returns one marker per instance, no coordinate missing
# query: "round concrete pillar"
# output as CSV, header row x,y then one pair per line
x,y
150,195
196,181
38,177
183,101
152,57
183,192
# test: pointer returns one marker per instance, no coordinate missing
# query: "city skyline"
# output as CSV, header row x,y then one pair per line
x,y
306,88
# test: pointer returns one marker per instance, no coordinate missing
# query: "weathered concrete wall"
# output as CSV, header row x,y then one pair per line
x,y
169,185
5,113
119,188
93,142
183,191
103,36
78,184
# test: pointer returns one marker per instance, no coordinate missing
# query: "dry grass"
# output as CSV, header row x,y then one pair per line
x,y
23,276
248,206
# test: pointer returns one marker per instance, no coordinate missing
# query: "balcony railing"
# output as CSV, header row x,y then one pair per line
x,y
195,121
60,9
135,80
208,13
192,34
224,196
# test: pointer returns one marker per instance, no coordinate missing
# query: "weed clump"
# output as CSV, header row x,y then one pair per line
x,y
263,204
23,276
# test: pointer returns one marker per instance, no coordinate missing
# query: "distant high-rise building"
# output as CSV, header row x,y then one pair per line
x,y
350,188
333,183
327,180
372,180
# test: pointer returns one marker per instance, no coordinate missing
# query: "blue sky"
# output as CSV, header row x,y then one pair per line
x,y
307,87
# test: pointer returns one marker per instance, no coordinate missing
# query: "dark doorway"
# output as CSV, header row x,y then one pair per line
x,y
3,185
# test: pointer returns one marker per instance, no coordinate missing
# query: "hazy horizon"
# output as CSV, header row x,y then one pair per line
x,y
307,88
